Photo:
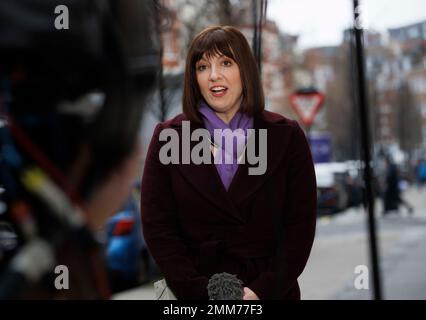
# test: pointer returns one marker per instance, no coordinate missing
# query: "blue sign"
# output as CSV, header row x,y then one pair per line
x,y
320,147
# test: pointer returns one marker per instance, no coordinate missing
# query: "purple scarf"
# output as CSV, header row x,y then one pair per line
x,y
228,158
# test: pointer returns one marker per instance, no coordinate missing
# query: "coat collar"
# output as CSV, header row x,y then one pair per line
x,y
266,118
205,178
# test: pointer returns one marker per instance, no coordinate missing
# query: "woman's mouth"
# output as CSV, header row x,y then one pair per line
x,y
218,91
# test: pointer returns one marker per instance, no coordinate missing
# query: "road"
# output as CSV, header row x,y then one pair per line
x,y
341,244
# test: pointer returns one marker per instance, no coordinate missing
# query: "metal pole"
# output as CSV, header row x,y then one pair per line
x,y
255,30
262,16
259,15
365,139
161,86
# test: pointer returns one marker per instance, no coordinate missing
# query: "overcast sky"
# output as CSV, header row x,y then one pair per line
x,y
321,22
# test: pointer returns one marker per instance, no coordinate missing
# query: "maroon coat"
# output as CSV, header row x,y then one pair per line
x,y
261,229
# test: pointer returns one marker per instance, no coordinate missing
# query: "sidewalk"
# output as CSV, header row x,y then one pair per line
x,y
403,266
145,292
403,271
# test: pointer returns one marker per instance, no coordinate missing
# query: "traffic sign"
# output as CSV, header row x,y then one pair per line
x,y
306,104
321,147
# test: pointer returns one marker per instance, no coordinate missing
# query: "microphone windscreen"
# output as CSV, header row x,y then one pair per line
x,y
225,286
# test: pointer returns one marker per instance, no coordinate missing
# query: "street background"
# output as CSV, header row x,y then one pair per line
x,y
341,243
306,49
312,72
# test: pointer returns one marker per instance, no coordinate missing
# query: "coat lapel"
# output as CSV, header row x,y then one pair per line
x,y
206,180
244,185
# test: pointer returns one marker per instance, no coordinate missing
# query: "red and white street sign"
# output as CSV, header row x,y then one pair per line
x,y
306,105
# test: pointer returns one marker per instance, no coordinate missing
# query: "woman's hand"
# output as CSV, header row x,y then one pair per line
x,y
249,294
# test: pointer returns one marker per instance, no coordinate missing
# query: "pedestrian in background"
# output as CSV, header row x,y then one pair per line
x,y
392,197
203,219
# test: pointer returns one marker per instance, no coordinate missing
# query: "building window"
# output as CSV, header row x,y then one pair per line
x,y
385,109
413,33
385,132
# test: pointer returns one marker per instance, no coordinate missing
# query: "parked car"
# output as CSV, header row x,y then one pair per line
x,y
331,190
354,184
129,263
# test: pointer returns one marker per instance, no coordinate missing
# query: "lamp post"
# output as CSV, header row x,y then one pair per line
x,y
366,147
259,15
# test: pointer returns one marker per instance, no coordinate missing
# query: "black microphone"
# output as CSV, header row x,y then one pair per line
x,y
225,286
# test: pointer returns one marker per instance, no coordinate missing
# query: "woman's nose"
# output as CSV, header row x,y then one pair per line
x,y
214,74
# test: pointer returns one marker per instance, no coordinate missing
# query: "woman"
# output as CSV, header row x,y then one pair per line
x,y
203,219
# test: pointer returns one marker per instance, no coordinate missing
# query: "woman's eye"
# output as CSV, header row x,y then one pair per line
x,y
201,67
227,63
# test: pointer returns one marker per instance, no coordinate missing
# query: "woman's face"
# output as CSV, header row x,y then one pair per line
x,y
220,84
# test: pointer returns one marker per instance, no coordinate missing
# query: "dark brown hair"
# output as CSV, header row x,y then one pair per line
x,y
228,41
